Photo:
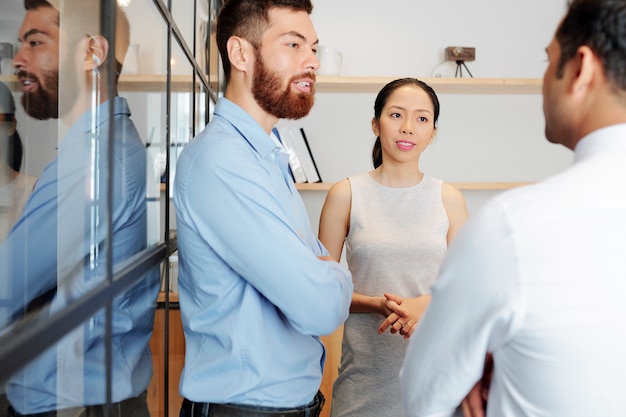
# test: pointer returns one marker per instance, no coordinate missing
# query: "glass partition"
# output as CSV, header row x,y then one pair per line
x,y
105,96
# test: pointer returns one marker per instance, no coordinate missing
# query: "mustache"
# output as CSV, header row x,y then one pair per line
x,y
25,74
308,74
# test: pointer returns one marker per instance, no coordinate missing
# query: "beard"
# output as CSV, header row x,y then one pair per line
x,y
282,103
42,104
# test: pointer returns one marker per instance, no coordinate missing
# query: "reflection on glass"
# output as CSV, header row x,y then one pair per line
x,y
182,110
60,248
213,66
147,96
15,186
72,387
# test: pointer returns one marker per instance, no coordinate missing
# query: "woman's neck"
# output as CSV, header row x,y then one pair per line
x,y
398,176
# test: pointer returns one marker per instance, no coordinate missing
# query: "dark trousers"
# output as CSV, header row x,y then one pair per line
x,y
132,407
197,409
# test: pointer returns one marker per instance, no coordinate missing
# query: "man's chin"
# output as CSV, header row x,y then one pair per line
x,y
37,108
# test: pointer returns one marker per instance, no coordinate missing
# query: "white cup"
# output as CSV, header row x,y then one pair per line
x,y
330,61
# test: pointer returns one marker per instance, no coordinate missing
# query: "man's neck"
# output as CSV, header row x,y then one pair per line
x,y
84,103
243,98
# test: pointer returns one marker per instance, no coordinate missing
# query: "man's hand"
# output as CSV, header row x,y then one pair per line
x,y
475,403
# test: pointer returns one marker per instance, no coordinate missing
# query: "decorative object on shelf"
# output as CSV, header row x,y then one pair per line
x,y
330,61
295,166
306,156
6,58
460,54
301,161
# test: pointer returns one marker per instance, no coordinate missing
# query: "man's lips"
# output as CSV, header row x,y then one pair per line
x,y
29,82
304,83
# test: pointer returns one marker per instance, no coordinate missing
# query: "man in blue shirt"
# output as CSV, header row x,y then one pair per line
x,y
56,251
256,287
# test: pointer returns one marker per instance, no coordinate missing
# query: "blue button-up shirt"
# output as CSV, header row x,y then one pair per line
x,y
57,247
254,296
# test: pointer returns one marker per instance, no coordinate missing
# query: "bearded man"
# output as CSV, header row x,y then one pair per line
x,y
256,287
57,251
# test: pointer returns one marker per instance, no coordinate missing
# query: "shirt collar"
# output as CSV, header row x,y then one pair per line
x,y
607,139
245,124
83,124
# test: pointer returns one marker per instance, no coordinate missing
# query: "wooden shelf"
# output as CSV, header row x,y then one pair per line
x,y
477,186
130,83
325,84
440,84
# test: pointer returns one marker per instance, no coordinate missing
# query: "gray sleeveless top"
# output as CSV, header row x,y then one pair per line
x,y
396,242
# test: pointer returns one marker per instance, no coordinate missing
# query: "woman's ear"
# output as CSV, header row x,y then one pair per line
x,y
433,135
375,127
97,49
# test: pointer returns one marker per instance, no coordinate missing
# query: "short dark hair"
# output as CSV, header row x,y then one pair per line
x,y
381,100
600,25
248,19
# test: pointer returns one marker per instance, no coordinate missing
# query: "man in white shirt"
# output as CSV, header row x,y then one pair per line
x,y
536,280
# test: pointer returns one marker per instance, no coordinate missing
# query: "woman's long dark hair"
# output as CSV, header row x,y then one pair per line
x,y
381,100
15,150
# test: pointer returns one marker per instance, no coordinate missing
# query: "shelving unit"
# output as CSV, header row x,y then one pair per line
x,y
349,85
490,186
156,82
441,85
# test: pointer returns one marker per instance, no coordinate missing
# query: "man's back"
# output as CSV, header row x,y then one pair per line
x,y
562,350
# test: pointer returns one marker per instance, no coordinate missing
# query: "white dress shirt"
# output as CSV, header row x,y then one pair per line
x,y
538,278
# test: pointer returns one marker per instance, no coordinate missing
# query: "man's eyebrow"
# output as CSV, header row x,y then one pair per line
x,y
299,35
31,33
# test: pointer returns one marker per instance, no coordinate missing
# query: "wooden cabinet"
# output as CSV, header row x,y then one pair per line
x,y
161,392
331,367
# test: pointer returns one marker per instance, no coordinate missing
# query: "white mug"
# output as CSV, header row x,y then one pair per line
x,y
330,61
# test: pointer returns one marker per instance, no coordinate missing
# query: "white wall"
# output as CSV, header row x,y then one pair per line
x,y
482,138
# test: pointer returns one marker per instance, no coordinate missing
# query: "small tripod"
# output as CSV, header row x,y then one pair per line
x,y
460,64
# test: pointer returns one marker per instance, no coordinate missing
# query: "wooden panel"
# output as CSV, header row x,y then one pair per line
x,y
493,186
331,367
176,359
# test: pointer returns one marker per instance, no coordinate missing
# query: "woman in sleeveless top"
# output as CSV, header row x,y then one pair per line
x,y
396,223
15,186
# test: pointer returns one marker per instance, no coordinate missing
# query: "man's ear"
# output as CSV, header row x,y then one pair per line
x,y
97,49
585,69
240,53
